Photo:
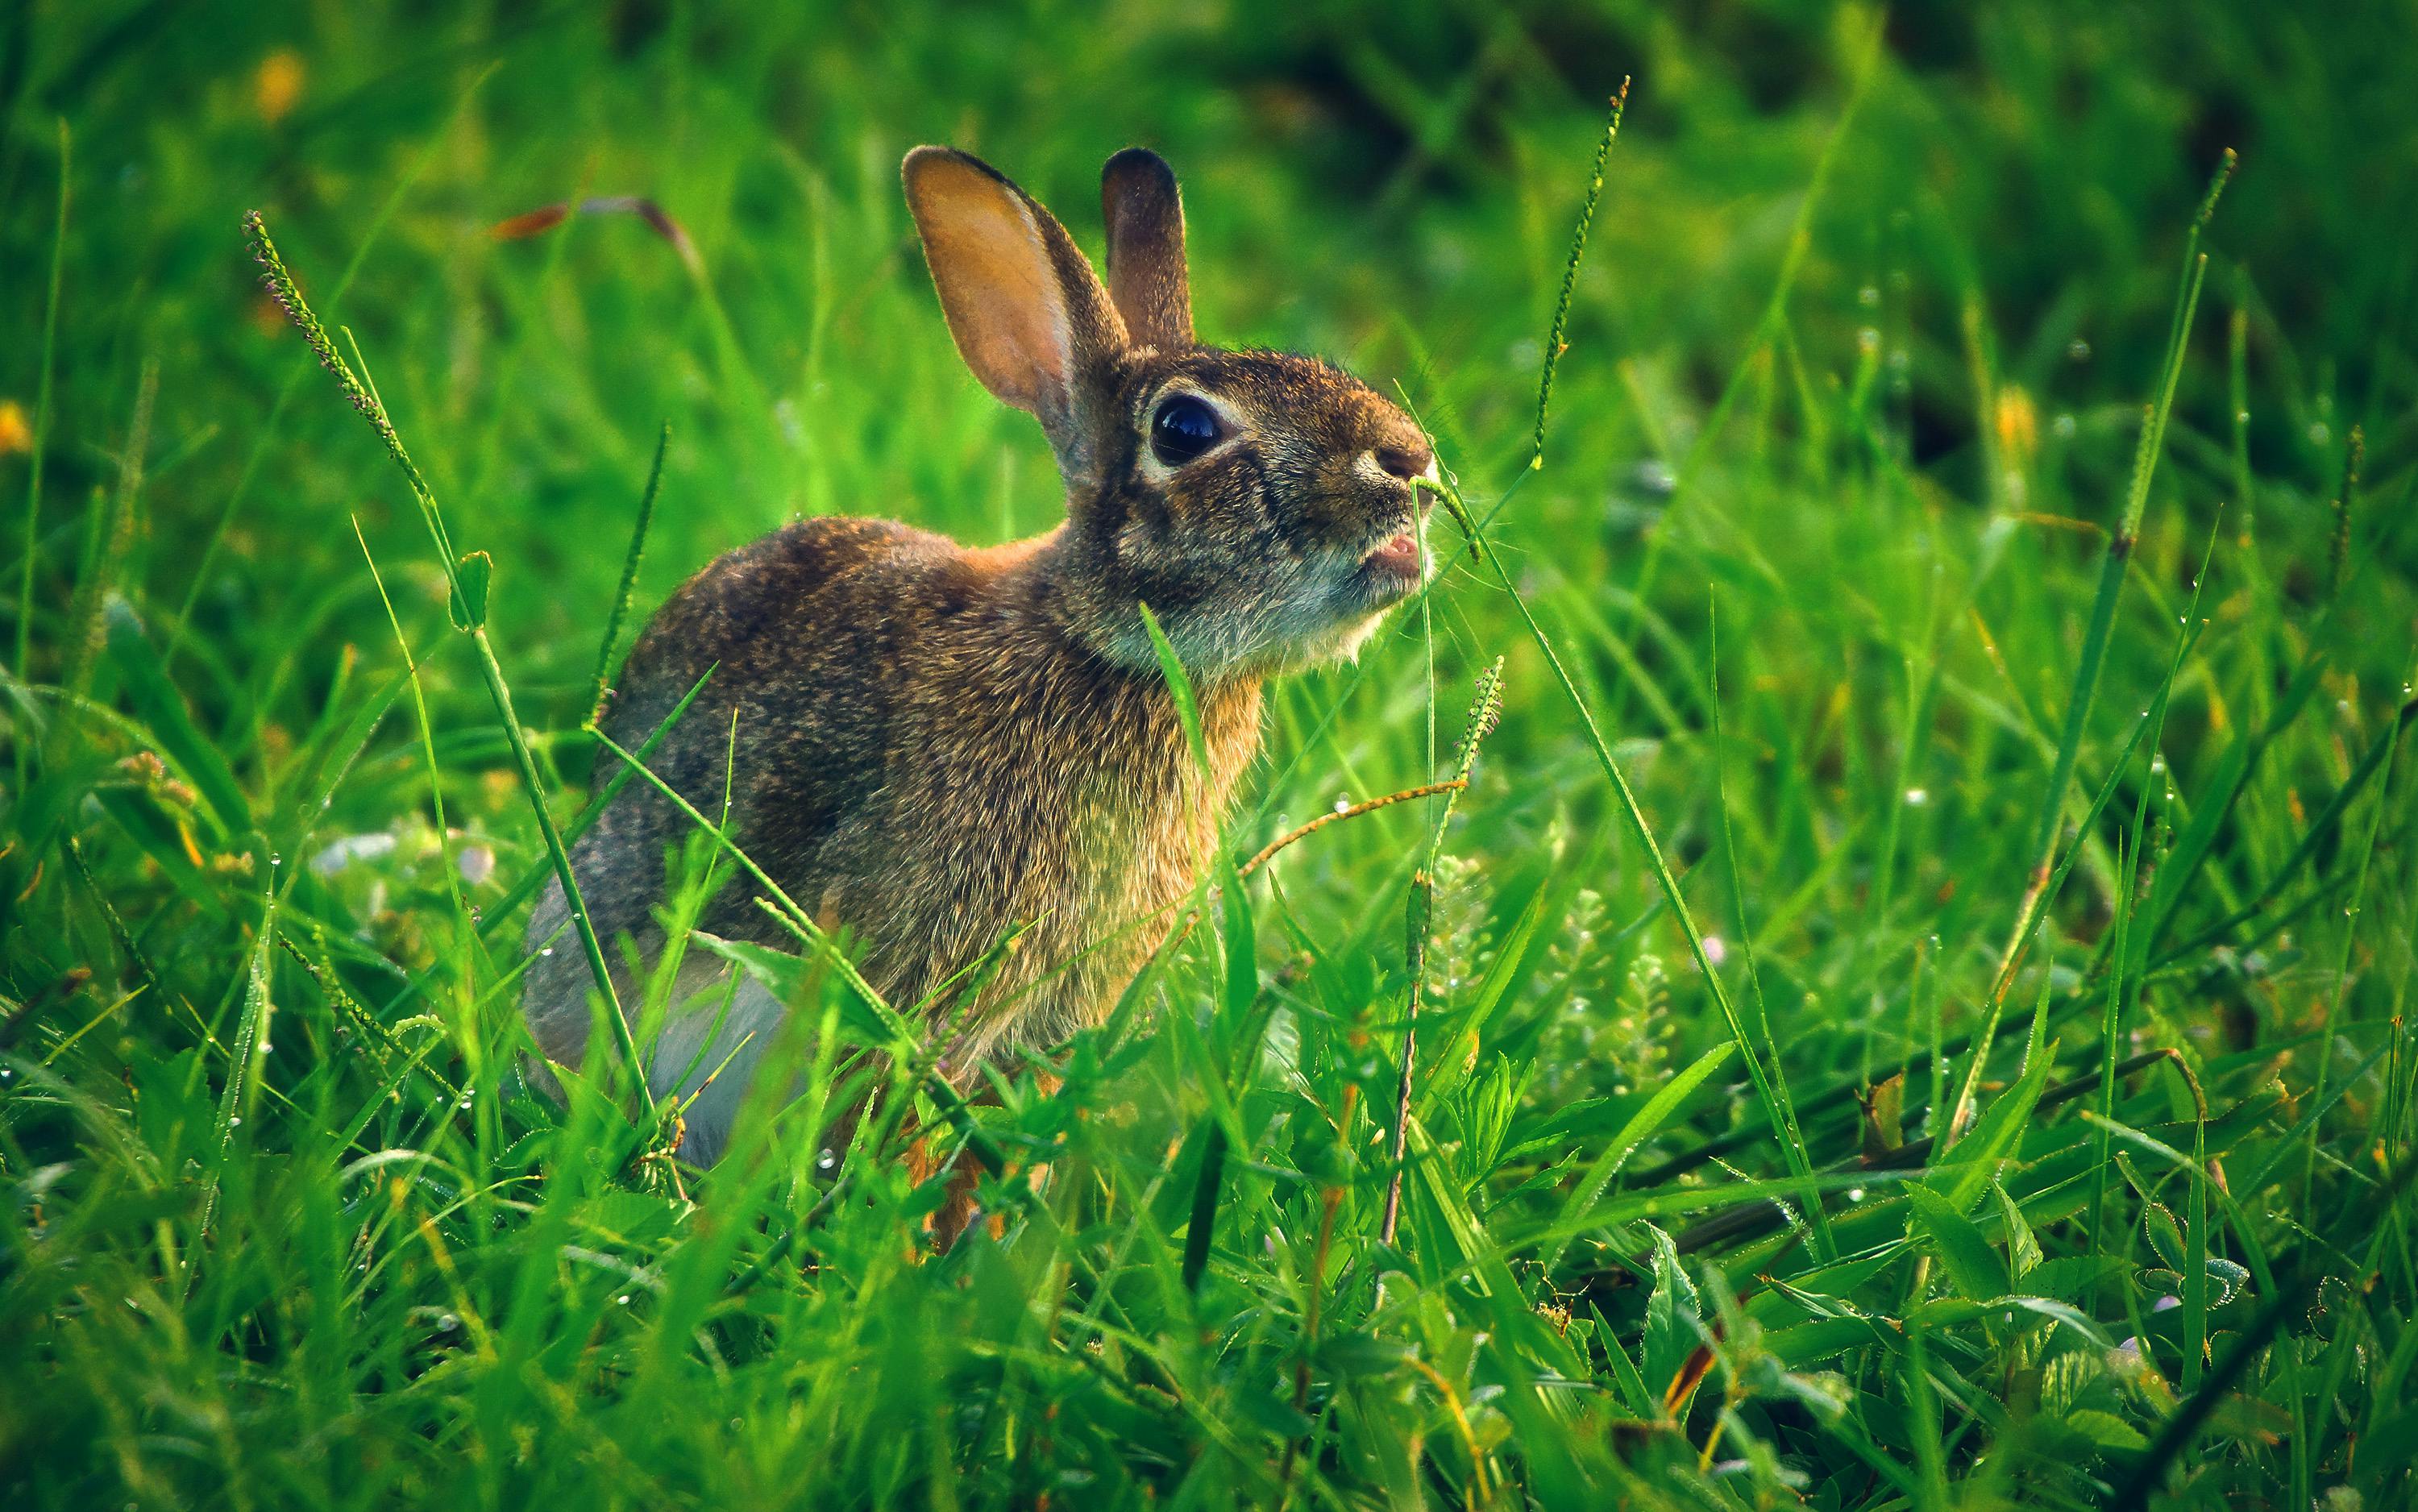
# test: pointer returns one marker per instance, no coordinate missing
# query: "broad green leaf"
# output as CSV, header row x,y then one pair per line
x,y
467,601
1509,958
1672,1317
1974,1268
2166,1235
1813,1342
1993,1138
1947,1313
2023,1247
1624,1378
2105,1429
2072,1277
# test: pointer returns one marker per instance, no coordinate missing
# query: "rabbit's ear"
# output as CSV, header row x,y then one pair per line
x,y
1028,313
1144,212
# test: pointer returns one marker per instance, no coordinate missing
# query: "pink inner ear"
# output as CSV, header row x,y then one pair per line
x,y
991,265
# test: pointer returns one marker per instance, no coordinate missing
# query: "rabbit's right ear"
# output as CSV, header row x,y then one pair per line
x,y
1144,211
1028,314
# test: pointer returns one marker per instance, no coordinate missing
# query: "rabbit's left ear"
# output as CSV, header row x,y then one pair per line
x,y
1028,314
1144,212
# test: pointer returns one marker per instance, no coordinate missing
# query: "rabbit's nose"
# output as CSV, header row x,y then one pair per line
x,y
1405,460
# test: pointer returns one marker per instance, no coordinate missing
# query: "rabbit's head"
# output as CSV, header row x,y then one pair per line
x,y
1260,503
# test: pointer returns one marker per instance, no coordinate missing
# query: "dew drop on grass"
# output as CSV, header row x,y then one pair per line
x,y
1916,797
1342,801
234,1119
623,1299
547,950
2077,350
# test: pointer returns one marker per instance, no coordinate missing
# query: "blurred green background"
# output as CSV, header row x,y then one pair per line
x,y
1857,363
1391,188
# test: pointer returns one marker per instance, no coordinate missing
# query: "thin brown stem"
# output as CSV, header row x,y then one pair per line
x,y
1306,831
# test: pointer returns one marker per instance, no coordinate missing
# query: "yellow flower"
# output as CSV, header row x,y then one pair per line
x,y
15,434
2018,425
277,84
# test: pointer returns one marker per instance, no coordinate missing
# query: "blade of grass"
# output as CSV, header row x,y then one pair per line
x,y
2114,567
1201,1229
1485,709
428,730
629,578
242,1077
467,578
1639,1128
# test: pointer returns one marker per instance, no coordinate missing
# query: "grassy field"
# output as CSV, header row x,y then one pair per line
x,y
1993,590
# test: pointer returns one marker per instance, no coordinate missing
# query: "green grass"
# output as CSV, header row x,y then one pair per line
x,y
1911,1005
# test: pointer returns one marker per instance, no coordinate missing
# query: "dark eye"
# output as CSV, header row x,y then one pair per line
x,y
1181,430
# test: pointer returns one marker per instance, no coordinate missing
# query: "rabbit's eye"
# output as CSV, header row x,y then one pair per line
x,y
1181,430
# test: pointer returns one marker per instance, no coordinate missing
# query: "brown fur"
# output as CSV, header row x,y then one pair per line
x,y
938,744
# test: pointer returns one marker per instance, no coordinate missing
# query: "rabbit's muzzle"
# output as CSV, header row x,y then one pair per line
x,y
1392,559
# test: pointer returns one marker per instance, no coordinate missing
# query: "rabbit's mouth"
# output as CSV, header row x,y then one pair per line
x,y
1397,564
1397,556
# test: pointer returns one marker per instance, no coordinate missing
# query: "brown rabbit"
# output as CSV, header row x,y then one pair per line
x,y
936,743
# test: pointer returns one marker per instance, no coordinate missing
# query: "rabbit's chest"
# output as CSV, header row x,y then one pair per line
x,y
1038,817
1071,822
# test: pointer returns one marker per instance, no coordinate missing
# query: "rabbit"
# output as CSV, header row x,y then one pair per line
x,y
935,744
